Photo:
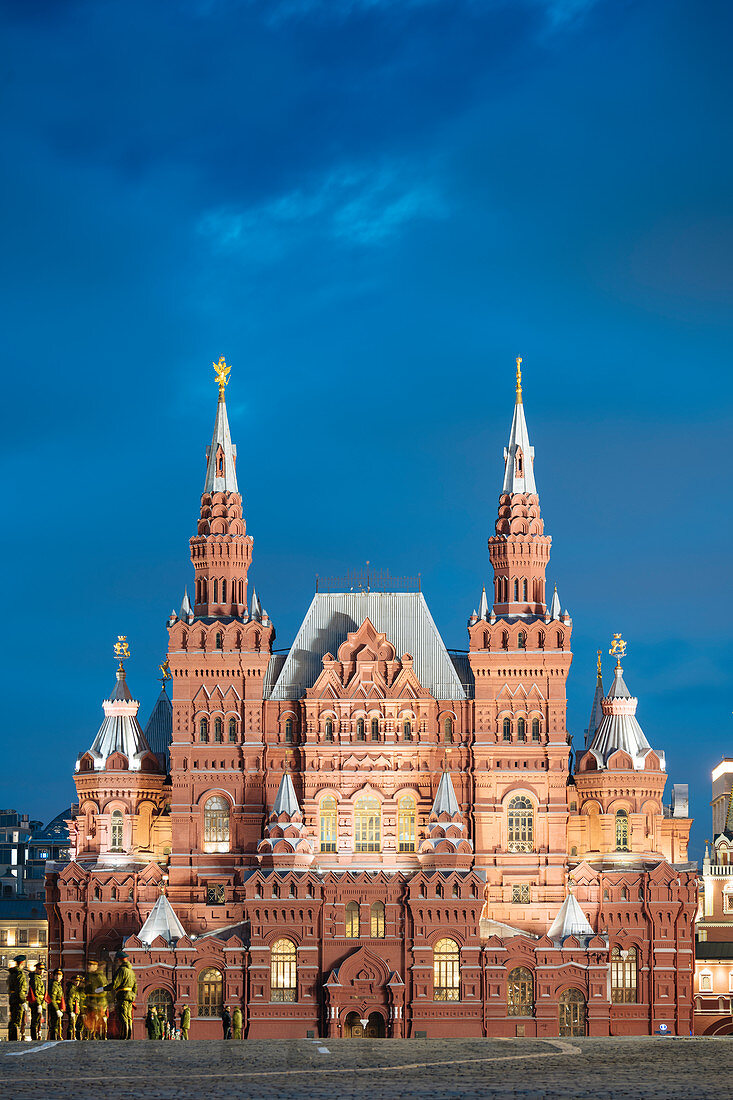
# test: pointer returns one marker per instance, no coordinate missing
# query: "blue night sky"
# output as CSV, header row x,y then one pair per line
x,y
369,208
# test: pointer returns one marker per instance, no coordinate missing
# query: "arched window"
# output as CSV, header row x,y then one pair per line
x,y
232,730
521,729
289,730
224,591
367,825
505,639
622,831
535,729
219,640
204,591
204,730
524,588
559,639
162,1001
541,640
283,971
623,976
516,590
329,730
406,823
211,992
520,824
521,640
624,894
352,920
377,920
113,893
216,824
215,590
407,729
218,730
360,729
572,1013
446,971
116,831
448,731
520,992
375,729
328,824
507,729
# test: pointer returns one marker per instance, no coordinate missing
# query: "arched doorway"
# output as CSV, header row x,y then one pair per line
x,y
354,1026
162,1001
572,1012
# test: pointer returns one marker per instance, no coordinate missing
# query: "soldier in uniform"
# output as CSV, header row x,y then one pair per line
x,y
152,1023
226,1022
95,1003
73,1007
237,1023
37,999
56,1005
124,991
185,1021
17,996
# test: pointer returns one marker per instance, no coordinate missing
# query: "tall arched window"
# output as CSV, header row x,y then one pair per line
x,y
211,992
224,591
283,971
407,729
218,730
215,591
328,824
521,640
216,824
448,731
219,640
623,976
446,971
367,825
116,831
516,590
506,727
204,730
289,730
352,920
232,730
572,1013
524,588
375,729
329,730
521,729
406,823
520,824
622,831
377,920
360,729
505,639
535,729
520,992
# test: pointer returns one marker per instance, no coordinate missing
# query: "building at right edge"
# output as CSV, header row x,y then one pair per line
x,y
714,946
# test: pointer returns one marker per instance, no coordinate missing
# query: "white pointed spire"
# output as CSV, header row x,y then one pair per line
x,y
596,711
570,921
483,611
256,606
285,799
519,455
445,798
555,609
221,455
162,921
186,608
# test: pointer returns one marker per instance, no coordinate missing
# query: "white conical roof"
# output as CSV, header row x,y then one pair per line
x,y
186,608
519,455
483,611
221,471
161,922
619,728
555,609
445,798
120,731
285,800
570,921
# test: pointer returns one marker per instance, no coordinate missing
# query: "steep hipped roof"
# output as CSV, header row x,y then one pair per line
x,y
596,710
445,798
159,730
404,618
570,921
161,922
619,728
221,472
519,478
285,800
120,731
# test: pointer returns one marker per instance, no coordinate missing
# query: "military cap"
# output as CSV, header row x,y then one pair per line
x,y
20,958
121,955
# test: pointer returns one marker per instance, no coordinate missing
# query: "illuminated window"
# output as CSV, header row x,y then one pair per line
x,y
377,920
328,824
507,729
572,1009
446,971
211,992
622,831
520,824
216,824
232,730
406,823
283,971
623,976
218,730
367,825
352,920
289,730
204,730
520,992
329,730
520,894
448,730
706,981
116,831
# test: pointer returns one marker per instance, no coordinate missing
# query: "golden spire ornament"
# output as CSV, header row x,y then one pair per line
x,y
222,375
600,670
122,649
519,379
618,649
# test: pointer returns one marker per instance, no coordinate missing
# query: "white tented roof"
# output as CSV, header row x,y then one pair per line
x,y
226,481
570,921
519,441
161,922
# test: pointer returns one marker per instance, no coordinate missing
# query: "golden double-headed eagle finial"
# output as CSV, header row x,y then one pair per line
x,y
519,379
618,649
165,670
222,375
600,670
121,648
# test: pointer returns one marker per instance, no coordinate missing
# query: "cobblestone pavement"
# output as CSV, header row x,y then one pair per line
x,y
371,1069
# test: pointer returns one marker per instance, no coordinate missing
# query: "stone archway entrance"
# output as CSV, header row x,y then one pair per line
x,y
572,1013
356,1027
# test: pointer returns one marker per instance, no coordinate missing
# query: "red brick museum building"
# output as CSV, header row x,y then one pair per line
x,y
371,834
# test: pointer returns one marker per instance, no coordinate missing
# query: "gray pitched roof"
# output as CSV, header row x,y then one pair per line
x,y
570,921
159,730
120,731
285,800
162,921
445,797
596,711
619,728
404,618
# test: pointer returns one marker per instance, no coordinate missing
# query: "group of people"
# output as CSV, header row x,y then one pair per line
x,y
85,1001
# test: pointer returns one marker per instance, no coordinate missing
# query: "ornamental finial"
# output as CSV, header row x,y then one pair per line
x,y
165,671
122,649
600,670
519,379
222,376
618,649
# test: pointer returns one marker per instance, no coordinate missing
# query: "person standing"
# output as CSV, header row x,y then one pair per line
x,y
237,1022
152,1023
56,1006
37,1000
95,1003
17,997
226,1022
124,991
73,1007
185,1021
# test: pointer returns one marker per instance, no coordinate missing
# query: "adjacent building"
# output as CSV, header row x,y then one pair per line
x,y
23,929
714,945
369,833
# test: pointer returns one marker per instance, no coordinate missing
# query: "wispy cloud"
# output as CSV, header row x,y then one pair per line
x,y
349,206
